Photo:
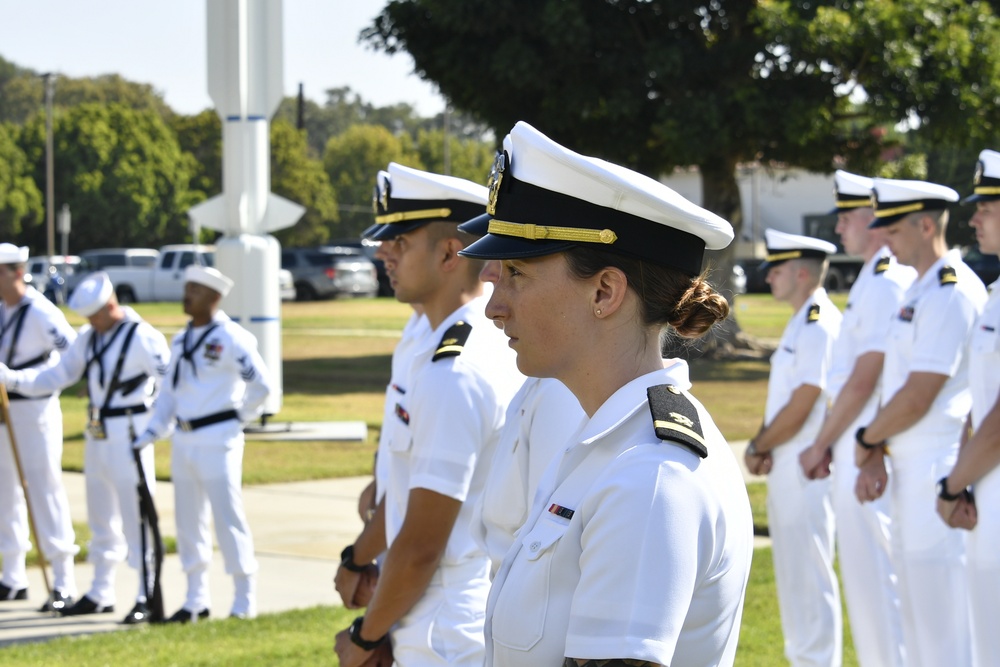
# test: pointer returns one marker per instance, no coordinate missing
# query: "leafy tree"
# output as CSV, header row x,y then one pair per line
x,y
22,94
120,170
467,158
656,84
352,159
296,176
21,202
200,136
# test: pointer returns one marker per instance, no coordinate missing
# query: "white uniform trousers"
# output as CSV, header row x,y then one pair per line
x,y
800,517
446,626
208,476
929,558
113,506
37,425
983,554
866,572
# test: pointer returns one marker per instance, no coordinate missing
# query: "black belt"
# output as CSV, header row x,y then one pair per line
x,y
14,396
121,412
207,420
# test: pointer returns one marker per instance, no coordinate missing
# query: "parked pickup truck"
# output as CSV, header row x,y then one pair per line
x,y
158,275
164,279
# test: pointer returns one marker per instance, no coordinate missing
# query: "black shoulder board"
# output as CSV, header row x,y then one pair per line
x,y
675,418
882,265
947,276
813,315
453,341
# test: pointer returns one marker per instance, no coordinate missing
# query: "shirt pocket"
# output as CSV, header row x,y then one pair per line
x,y
505,498
400,435
985,341
523,603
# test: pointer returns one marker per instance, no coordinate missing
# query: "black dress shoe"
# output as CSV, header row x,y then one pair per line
x,y
139,614
184,616
87,606
8,593
57,602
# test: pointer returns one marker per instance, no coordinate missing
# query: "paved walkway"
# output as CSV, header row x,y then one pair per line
x,y
299,529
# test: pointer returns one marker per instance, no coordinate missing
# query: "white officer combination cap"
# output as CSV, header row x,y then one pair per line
x,y
782,247
408,198
209,277
92,294
545,199
11,254
851,191
986,182
895,199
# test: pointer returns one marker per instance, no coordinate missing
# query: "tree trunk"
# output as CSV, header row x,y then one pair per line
x,y
720,194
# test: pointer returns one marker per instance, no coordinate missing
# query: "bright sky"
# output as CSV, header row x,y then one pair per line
x,y
163,44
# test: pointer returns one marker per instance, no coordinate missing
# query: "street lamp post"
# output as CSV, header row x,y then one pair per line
x,y
50,214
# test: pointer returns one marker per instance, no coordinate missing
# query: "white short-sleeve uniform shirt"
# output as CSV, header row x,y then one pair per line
x,y
635,547
415,330
872,303
212,369
803,357
929,334
984,382
540,419
450,417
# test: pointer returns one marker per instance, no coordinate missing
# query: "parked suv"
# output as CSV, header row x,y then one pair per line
x,y
330,271
369,248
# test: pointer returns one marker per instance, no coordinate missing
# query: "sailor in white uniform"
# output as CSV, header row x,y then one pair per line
x,y
216,382
123,360
639,541
800,512
863,529
977,465
33,333
431,592
925,400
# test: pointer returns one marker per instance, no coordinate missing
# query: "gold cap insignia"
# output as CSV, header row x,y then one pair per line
x,y
496,177
978,177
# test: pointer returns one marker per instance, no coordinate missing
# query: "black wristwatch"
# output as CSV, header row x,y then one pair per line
x,y
355,633
942,491
859,436
347,560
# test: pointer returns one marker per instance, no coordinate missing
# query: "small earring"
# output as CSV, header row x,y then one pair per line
x,y
598,312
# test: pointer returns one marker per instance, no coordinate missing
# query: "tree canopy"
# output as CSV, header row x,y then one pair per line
x,y
129,167
20,200
656,84
121,171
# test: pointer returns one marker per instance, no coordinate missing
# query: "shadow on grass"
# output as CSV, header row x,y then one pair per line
x,y
703,370
344,375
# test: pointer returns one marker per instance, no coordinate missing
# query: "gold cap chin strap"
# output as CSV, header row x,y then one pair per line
x,y
909,208
782,256
854,203
405,216
546,233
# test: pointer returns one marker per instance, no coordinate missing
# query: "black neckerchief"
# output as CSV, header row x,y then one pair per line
x,y
16,321
98,354
187,354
